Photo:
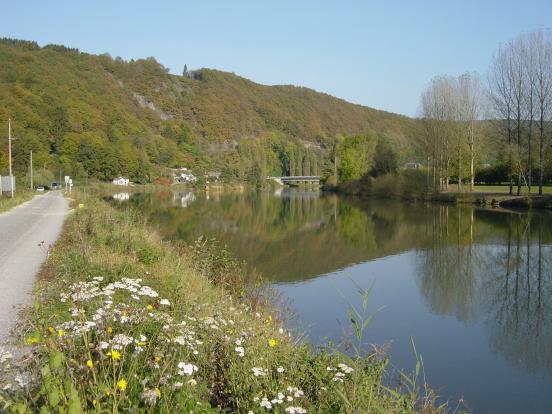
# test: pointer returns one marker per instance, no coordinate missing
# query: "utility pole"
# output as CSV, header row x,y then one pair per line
x,y
31,169
9,155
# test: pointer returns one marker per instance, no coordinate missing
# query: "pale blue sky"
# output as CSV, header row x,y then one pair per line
x,y
379,54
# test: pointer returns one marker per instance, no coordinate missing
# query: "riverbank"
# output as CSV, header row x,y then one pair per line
x,y
125,321
412,187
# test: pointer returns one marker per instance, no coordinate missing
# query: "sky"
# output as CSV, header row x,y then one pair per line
x,y
376,53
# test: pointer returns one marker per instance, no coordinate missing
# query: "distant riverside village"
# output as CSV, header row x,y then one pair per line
x,y
181,175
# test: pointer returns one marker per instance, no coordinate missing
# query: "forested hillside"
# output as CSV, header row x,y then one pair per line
x,y
96,116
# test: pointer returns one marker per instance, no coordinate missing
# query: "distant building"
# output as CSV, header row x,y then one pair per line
x,y
184,177
121,181
412,166
213,175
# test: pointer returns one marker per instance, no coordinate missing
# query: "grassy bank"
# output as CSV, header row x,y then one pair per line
x,y
7,202
125,322
505,188
412,186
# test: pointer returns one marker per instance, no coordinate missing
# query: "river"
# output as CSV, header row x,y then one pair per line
x,y
470,287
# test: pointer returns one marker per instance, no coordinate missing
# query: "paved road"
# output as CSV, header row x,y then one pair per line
x,y
22,229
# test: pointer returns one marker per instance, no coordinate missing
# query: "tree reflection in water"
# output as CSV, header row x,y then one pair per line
x,y
472,264
494,266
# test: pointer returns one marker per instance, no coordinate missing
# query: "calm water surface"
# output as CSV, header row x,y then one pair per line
x,y
472,287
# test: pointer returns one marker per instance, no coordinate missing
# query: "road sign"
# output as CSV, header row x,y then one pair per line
x,y
67,178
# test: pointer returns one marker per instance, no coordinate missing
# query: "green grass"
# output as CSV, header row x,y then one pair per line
x,y
204,342
20,196
506,188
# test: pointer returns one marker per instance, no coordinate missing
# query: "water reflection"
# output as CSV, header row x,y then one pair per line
x,y
184,199
488,273
121,196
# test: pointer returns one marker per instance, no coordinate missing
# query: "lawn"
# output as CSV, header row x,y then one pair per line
x,y
505,188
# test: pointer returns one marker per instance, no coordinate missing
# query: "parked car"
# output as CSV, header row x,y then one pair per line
x,y
40,188
55,186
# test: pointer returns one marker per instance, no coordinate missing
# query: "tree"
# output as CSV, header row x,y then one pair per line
x,y
386,160
521,88
438,113
501,86
59,126
469,109
357,157
541,47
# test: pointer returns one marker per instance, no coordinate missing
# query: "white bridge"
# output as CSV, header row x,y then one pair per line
x,y
312,179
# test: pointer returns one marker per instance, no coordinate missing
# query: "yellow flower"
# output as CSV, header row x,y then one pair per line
x,y
268,320
61,332
89,363
32,340
81,205
122,384
50,329
141,343
94,402
149,307
109,329
158,392
272,342
115,355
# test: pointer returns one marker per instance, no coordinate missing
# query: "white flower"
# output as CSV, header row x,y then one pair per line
x,y
265,403
240,351
121,340
177,385
149,397
280,369
346,369
147,291
164,302
295,410
258,372
186,369
295,391
279,399
338,377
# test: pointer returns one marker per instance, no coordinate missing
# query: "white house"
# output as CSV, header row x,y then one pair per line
x,y
213,175
121,181
185,178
